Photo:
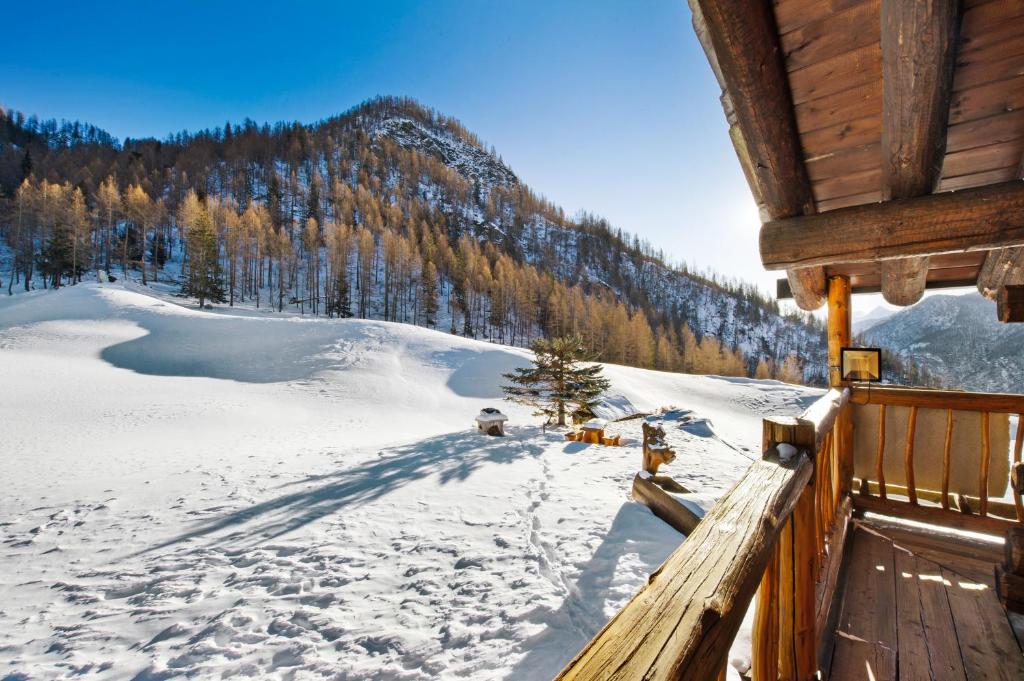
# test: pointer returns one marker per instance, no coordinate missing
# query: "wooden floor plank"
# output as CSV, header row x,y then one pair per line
x,y
987,644
917,606
928,648
857,660
866,633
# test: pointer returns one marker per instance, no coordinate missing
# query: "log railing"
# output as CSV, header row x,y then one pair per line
x,y
796,589
773,529
928,504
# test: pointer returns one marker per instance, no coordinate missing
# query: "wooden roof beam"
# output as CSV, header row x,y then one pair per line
x,y
981,218
918,49
1003,266
742,44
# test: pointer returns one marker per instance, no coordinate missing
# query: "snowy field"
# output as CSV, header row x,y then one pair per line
x,y
207,495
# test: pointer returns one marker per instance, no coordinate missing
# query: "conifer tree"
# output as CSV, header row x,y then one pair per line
x,y
204,279
562,379
429,293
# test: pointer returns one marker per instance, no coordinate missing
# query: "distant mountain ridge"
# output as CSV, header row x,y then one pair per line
x,y
393,166
958,339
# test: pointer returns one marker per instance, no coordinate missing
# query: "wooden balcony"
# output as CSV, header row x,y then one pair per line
x,y
855,577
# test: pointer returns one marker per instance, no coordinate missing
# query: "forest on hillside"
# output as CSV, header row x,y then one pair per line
x,y
389,211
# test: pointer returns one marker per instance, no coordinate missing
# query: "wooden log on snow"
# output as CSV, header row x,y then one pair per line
x,y
671,510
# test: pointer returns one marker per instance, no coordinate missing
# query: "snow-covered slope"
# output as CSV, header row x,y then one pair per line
x,y
958,339
202,494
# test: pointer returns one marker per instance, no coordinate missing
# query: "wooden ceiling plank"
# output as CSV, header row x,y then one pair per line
x,y
847,201
918,53
992,130
987,100
847,135
994,176
970,220
991,65
745,46
792,14
832,35
852,104
840,163
982,159
850,184
836,74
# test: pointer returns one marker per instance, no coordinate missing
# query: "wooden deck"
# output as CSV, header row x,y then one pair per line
x,y
916,606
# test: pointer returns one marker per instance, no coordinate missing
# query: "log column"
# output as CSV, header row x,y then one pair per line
x,y
839,336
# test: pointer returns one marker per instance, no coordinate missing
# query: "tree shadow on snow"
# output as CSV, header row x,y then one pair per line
x,y
635,530
452,458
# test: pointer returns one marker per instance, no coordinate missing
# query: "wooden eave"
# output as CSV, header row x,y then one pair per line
x,y
886,100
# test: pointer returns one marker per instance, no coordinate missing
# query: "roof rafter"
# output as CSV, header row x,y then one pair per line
x,y
742,44
918,50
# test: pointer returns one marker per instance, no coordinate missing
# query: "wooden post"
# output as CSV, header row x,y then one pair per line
x,y
797,566
839,336
839,331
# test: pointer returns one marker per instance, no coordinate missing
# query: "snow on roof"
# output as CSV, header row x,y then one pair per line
x,y
490,417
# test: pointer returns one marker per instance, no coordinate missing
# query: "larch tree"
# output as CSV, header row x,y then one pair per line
x,y
204,280
791,371
108,204
563,379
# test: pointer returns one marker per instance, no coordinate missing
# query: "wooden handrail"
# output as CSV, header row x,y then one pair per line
x,y
681,624
926,398
793,599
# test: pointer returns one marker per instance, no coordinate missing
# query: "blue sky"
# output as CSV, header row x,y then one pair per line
x,y
604,106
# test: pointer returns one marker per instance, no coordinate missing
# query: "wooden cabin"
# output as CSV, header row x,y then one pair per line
x,y
883,141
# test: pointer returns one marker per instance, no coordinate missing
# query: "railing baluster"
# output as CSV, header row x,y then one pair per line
x,y
986,455
945,459
765,638
908,455
1018,445
879,459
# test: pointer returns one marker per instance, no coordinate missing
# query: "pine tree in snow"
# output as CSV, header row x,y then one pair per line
x,y
563,379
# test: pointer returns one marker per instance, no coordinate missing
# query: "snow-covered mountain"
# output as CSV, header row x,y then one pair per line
x,y
862,323
957,338
391,165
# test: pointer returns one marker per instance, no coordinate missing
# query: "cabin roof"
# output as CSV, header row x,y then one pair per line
x,y
861,110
